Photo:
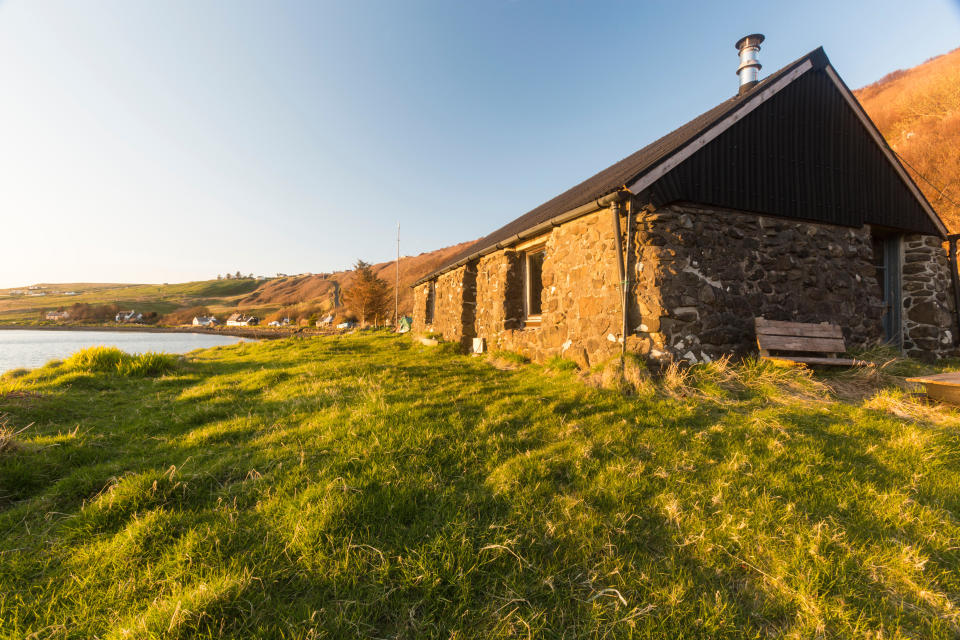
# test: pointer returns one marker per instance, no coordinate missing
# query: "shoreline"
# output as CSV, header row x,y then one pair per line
x,y
239,332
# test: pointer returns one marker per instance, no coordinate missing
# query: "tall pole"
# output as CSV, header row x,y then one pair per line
x,y
396,288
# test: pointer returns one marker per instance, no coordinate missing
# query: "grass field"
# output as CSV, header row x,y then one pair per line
x,y
220,296
368,486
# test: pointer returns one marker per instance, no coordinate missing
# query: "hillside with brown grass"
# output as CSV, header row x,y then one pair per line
x,y
918,112
297,295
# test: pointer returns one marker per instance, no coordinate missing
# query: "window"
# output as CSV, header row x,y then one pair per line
x,y
533,285
431,302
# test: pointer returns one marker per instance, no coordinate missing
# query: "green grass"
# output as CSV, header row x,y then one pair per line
x,y
368,486
113,360
220,295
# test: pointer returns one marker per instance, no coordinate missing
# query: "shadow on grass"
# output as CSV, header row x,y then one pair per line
x,y
367,487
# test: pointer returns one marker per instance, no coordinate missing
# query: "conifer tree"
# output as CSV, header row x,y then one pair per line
x,y
368,297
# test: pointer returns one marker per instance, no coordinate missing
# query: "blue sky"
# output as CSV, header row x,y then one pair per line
x,y
171,141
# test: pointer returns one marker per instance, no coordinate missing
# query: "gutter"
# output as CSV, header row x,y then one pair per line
x,y
590,207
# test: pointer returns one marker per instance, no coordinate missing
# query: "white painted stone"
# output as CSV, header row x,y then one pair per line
x,y
710,281
611,337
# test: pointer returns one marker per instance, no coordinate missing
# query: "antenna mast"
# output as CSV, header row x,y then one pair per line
x,y
396,288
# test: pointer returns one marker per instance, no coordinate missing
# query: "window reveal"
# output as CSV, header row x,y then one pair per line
x,y
533,283
431,302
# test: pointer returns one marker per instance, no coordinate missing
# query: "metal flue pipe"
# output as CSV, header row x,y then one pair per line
x,y
749,69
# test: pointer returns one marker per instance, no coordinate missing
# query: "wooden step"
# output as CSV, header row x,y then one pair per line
x,y
803,329
801,343
837,362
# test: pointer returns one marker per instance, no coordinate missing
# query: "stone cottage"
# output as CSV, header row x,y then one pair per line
x,y
783,201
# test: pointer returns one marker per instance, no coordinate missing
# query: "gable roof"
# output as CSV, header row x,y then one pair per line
x,y
639,171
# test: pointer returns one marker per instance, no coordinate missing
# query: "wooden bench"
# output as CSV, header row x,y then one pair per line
x,y
944,387
802,342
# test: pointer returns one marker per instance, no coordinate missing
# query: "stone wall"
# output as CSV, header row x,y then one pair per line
x,y
420,294
580,315
699,276
928,305
716,270
499,294
453,314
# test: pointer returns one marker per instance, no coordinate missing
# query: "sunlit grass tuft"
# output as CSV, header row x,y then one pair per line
x,y
112,360
628,375
9,434
96,359
147,364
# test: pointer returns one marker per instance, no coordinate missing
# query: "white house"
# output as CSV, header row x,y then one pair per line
x,y
204,321
129,316
240,320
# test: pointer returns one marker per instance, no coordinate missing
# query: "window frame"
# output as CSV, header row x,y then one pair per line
x,y
430,305
538,247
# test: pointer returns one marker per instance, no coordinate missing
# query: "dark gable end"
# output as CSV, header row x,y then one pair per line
x,y
796,145
804,153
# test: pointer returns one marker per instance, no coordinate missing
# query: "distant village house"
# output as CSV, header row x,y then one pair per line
x,y
241,320
58,316
129,316
205,321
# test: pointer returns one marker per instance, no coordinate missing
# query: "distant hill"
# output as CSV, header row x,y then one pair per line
x,y
321,289
918,112
293,296
26,305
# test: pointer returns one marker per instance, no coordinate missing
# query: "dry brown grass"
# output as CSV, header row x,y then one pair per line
x,y
8,435
918,112
860,383
629,376
676,381
914,407
725,376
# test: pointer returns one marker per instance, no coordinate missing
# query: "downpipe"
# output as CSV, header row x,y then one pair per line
x,y
616,207
627,280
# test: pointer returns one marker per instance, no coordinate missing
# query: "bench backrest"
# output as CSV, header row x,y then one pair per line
x,y
801,337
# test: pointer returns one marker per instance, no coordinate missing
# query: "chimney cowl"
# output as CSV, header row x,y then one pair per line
x,y
749,68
